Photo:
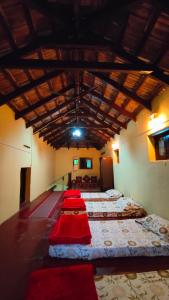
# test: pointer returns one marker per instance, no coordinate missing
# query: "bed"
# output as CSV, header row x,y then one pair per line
x,y
121,238
123,207
140,286
102,196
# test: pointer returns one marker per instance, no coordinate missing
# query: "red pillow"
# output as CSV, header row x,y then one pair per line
x,y
72,194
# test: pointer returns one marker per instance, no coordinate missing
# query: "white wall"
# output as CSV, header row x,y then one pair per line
x,y
138,175
14,156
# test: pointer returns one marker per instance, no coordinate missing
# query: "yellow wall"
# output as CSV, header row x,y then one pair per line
x,y
14,156
138,175
64,161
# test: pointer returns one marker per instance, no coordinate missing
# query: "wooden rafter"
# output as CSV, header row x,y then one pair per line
x,y
7,29
49,113
47,126
109,132
120,109
123,90
110,118
52,97
21,90
157,72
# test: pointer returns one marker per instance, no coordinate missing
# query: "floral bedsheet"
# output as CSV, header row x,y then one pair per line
x,y
119,238
124,207
134,286
97,196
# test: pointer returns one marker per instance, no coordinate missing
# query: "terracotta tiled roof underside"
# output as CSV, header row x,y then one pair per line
x,y
92,63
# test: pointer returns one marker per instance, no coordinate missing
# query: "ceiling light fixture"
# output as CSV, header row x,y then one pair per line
x,y
76,132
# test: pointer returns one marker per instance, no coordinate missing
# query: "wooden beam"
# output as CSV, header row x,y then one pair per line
x,y
52,97
155,13
56,41
157,72
72,65
57,136
119,51
49,124
49,113
110,9
123,90
100,134
112,104
110,118
55,131
75,125
53,10
95,118
62,42
65,138
6,27
18,92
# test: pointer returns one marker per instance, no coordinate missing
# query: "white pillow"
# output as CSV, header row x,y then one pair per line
x,y
113,193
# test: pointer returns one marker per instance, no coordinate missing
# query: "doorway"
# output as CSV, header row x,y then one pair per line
x,y
106,173
25,180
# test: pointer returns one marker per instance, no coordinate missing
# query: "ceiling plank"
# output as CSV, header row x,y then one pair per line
x,y
104,114
95,118
157,72
21,90
107,11
6,27
56,132
49,113
52,97
112,105
123,90
49,124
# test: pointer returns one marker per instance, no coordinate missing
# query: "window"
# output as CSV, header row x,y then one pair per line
x,y
86,163
75,162
160,141
116,154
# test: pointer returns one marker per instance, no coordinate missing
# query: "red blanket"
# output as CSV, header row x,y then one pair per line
x,y
71,229
72,194
66,283
74,204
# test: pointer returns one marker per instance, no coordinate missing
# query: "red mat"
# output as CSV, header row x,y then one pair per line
x,y
66,283
72,194
74,204
71,229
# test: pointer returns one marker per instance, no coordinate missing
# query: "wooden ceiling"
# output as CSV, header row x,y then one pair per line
x,y
91,63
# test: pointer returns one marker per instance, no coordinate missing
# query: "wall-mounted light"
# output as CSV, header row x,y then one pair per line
x,y
115,146
156,122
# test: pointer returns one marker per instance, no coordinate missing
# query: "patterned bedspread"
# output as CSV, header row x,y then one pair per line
x,y
141,286
94,195
114,239
124,207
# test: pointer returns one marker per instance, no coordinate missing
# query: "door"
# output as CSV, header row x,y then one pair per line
x,y
106,173
25,175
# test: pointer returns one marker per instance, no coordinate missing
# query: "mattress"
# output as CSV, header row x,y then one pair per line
x,y
140,286
124,207
121,238
100,195
94,195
